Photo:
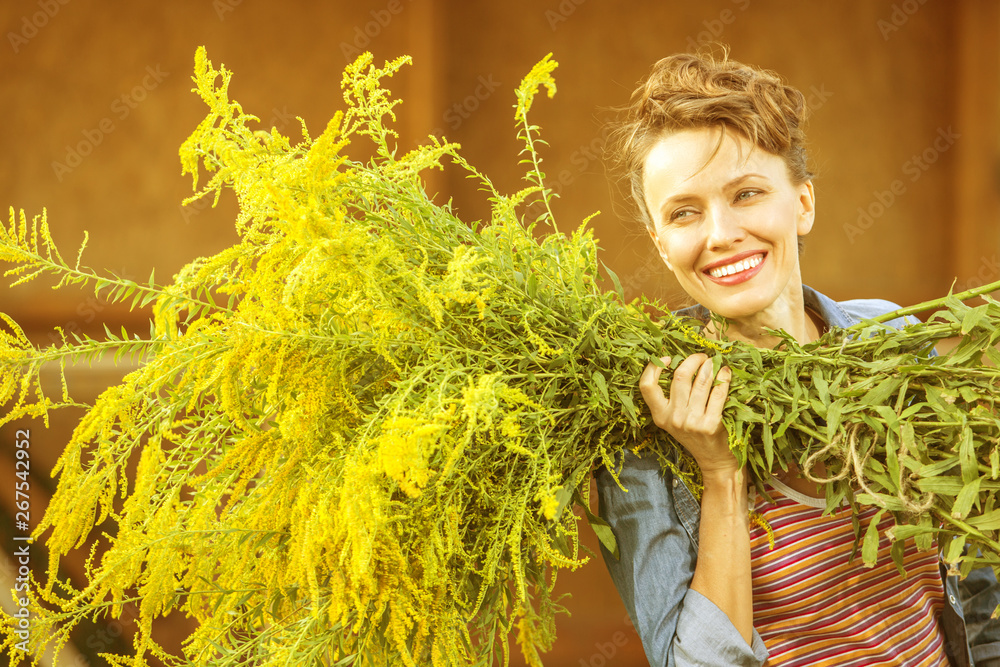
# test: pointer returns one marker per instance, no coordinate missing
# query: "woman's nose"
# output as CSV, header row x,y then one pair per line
x,y
724,228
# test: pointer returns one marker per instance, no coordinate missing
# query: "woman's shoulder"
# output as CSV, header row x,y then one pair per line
x,y
853,311
863,309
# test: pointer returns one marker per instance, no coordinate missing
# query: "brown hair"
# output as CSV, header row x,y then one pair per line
x,y
686,91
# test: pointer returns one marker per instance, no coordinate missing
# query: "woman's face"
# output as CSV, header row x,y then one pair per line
x,y
727,226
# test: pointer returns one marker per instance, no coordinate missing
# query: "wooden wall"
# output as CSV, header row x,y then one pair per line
x,y
96,101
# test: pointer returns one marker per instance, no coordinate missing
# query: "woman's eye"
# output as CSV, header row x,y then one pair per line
x,y
678,216
746,194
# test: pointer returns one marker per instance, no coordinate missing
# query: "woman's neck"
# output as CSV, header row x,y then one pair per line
x,y
788,313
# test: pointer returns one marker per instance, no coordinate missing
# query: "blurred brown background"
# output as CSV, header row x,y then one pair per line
x,y
96,101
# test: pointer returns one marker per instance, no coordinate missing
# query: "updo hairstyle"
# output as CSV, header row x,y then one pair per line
x,y
686,91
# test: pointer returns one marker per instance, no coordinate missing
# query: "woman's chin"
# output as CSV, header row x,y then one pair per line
x,y
738,307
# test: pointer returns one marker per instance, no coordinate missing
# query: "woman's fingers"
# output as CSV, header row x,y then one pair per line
x,y
684,389
692,413
649,385
694,391
720,391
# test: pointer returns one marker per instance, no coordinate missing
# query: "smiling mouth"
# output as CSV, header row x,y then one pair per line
x,y
736,267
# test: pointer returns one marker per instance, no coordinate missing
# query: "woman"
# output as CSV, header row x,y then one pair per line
x,y
714,155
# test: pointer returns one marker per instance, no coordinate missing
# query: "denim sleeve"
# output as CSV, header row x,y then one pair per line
x,y
980,594
678,627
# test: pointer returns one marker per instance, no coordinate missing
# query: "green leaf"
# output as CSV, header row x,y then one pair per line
x,y
821,385
563,496
905,531
869,547
953,552
925,540
716,364
627,403
986,521
532,285
819,408
891,503
881,392
892,459
602,387
601,529
968,394
889,415
968,495
833,415
949,485
614,280
550,392
835,495
604,534
973,318
768,445
901,397
656,361
562,545
967,456
938,468
897,551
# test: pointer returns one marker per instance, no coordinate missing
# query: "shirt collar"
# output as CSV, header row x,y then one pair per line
x,y
828,309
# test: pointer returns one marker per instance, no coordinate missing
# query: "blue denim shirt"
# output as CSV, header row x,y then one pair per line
x,y
656,524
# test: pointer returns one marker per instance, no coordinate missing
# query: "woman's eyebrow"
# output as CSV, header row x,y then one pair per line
x,y
739,179
675,200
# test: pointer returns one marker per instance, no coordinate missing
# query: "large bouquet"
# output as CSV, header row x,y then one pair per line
x,y
363,429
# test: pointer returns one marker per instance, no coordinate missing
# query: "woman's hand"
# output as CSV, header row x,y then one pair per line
x,y
693,415
693,411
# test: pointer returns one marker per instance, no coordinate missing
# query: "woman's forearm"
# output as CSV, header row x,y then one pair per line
x,y
722,573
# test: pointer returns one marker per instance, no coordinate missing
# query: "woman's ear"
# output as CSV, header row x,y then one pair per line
x,y
807,208
659,247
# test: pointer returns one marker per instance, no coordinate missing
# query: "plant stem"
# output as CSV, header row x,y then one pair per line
x,y
931,305
538,174
966,528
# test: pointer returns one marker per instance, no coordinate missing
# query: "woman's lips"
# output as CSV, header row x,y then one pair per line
x,y
738,269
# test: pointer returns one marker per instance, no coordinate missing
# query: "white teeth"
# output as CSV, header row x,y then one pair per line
x,y
736,267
